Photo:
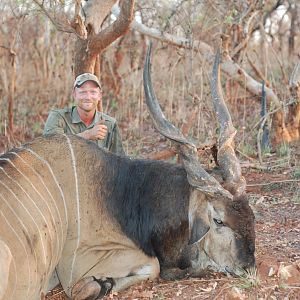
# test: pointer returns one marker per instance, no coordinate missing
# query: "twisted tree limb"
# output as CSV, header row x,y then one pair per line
x,y
87,50
229,67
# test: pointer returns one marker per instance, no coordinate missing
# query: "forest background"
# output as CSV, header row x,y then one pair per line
x,y
45,44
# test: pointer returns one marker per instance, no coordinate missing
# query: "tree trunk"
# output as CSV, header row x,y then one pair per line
x,y
294,6
294,109
281,133
87,50
294,120
84,60
11,94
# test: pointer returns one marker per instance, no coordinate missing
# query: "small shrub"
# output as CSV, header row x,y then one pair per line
x,y
248,150
267,151
296,199
296,173
249,280
37,128
283,150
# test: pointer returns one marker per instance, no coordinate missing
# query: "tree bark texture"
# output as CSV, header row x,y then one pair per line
x,y
86,50
11,94
294,109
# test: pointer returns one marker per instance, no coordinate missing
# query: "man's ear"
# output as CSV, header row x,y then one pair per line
x,y
198,231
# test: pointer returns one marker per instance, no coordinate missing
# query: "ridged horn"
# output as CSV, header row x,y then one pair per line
x,y
196,175
228,162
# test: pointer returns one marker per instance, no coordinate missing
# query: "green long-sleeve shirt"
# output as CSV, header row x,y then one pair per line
x,y
67,120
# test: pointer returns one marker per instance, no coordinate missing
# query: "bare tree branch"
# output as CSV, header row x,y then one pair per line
x,y
247,32
87,50
78,22
238,74
108,35
257,71
95,12
64,27
229,67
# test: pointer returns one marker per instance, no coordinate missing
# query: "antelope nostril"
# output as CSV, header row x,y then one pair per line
x,y
233,272
251,264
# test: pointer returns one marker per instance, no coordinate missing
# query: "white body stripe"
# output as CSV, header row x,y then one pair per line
x,y
55,259
54,177
21,242
33,202
31,217
51,196
16,276
24,227
55,213
78,207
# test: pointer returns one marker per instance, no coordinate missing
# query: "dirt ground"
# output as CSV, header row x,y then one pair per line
x,y
274,194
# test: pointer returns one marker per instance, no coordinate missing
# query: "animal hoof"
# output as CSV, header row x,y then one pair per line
x,y
91,288
106,286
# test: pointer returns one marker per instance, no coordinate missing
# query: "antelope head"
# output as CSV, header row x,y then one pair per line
x,y
220,219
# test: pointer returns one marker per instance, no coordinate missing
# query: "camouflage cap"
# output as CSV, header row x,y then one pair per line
x,y
82,78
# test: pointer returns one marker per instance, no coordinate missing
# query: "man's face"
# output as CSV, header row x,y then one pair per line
x,y
87,96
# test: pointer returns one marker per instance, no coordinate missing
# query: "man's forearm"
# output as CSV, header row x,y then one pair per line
x,y
84,134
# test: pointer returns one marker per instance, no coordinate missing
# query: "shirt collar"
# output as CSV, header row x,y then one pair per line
x,y
98,117
75,116
76,119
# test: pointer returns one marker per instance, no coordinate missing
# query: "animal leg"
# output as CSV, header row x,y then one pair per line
x,y
118,271
147,272
91,288
53,281
5,261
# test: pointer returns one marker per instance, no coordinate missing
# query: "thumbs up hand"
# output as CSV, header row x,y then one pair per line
x,y
98,132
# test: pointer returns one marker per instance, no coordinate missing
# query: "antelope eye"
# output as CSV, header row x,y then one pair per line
x,y
218,222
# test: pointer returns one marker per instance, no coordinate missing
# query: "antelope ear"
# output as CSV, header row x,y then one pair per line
x,y
198,231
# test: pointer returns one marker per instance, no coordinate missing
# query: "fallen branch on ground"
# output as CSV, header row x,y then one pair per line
x,y
272,182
